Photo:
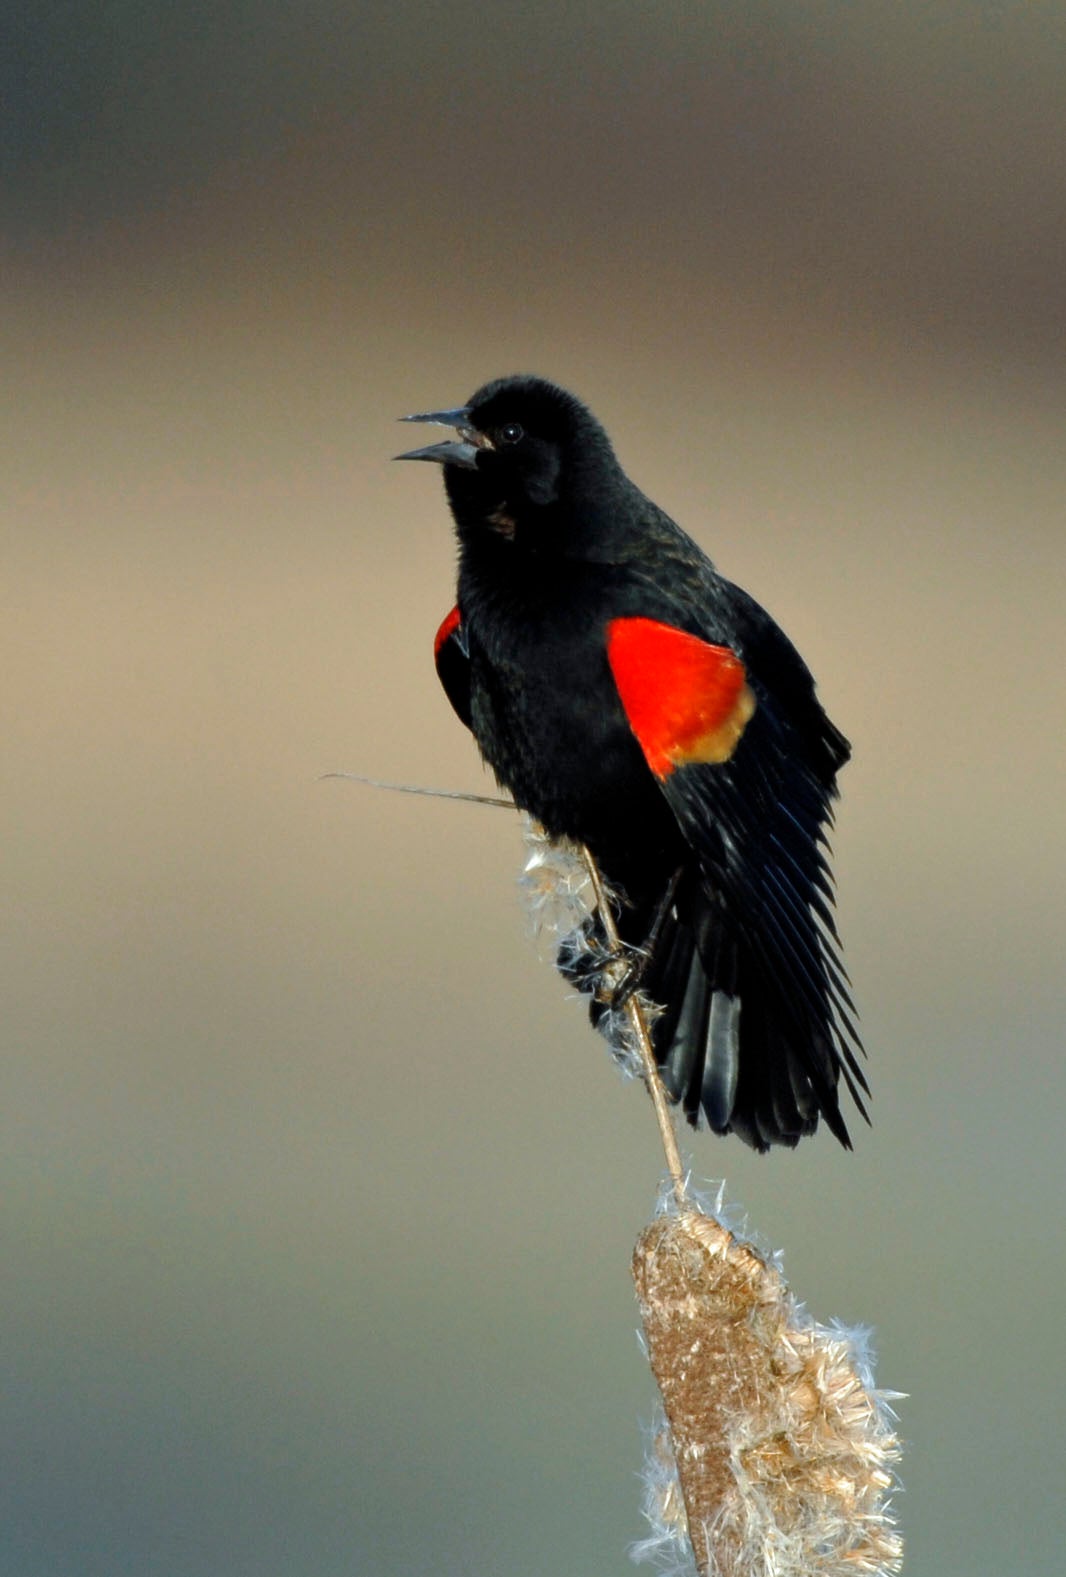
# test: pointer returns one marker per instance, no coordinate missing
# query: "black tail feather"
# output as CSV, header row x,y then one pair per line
x,y
750,1037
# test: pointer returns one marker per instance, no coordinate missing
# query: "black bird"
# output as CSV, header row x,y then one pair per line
x,y
633,700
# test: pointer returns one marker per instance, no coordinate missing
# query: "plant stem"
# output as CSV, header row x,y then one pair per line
x,y
635,1013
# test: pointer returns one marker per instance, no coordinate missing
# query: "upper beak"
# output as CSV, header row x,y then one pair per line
x,y
458,451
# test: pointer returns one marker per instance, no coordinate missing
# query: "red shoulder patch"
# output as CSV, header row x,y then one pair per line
x,y
448,627
686,700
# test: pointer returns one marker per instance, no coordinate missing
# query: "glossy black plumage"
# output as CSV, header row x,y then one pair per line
x,y
722,866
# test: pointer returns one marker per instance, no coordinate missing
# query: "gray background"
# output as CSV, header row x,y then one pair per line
x,y
317,1195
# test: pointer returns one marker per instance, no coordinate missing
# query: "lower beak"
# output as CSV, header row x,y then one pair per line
x,y
456,452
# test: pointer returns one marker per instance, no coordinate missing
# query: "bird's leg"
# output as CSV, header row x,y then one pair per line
x,y
611,971
635,960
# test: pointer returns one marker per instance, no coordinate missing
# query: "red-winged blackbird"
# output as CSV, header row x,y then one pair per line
x,y
633,700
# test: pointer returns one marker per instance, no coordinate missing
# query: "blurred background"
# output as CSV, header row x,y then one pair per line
x,y
317,1193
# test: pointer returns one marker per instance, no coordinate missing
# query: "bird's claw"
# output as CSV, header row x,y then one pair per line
x,y
609,975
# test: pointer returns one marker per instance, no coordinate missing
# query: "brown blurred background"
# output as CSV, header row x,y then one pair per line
x,y
317,1193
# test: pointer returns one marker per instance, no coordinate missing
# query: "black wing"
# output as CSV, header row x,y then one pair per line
x,y
757,1025
763,920
452,657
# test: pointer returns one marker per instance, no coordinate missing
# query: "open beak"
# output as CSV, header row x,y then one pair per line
x,y
461,451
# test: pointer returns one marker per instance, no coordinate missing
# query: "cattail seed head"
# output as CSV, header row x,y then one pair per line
x,y
783,1450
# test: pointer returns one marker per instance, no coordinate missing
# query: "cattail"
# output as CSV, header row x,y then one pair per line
x,y
776,1456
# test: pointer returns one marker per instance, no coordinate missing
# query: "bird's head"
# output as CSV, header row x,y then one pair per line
x,y
526,456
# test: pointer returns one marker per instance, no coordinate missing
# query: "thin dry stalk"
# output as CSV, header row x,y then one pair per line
x,y
634,1011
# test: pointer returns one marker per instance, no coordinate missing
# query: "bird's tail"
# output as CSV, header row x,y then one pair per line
x,y
734,1050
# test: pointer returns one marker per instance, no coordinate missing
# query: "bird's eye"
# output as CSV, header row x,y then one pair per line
x,y
511,433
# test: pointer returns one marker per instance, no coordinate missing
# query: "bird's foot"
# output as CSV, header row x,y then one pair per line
x,y
609,974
